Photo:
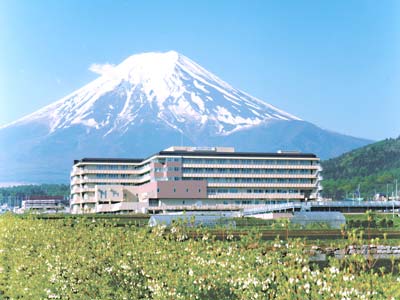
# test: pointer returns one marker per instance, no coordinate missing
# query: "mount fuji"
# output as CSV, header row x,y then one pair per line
x,y
147,103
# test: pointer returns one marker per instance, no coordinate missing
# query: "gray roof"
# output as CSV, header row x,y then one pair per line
x,y
200,154
190,220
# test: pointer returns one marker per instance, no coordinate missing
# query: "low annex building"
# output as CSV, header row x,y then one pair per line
x,y
180,176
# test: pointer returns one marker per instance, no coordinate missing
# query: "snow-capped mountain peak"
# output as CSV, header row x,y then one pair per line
x,y
146,103
164,87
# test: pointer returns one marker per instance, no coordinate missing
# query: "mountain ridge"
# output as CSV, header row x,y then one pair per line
x,y
147,103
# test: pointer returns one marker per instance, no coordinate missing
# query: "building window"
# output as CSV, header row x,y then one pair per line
x,y
158,190
199,190
174,190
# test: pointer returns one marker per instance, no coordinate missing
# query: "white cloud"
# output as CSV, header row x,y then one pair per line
x,y
101,68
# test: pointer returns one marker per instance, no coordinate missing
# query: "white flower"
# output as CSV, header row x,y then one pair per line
x,y
307,287
334,270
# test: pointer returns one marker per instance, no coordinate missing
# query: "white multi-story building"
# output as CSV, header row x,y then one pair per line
x,y
193,176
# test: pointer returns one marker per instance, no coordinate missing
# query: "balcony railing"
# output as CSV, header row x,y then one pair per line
x,y
255,196
116,180
237,166
121,206
276,185
248,175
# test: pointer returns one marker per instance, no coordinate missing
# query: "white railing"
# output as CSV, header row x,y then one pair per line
x,y
254,196
271,208
276,185
247,175
203,207
237,166
121,206
383,204
116,180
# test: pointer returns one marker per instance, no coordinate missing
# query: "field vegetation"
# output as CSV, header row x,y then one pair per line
x,y
89,258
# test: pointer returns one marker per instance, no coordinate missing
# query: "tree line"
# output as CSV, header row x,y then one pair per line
x,y
14,195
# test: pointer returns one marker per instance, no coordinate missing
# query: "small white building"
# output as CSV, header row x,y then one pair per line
x,y
45,204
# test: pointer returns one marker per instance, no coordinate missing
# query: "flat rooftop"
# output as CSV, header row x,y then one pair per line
x,y
201,152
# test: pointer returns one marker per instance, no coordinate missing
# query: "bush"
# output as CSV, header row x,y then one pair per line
x,y
383,223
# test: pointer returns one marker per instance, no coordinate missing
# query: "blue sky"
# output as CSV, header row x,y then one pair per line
x,y
333,63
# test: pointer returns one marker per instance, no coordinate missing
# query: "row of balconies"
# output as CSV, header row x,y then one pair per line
x,y
78,189
79,171
250,175
82,201
244,175
226,166
127,172
256,196
78,181
110,180
266,185
147,169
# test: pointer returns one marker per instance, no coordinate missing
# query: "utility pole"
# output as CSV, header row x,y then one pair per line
x,y
396,191
387,191
392,209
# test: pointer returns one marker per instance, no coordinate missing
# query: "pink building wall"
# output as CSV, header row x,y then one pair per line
x,y
182,189
186,189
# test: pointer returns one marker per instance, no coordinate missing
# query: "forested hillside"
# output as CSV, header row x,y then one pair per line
x,y
15,194
374,167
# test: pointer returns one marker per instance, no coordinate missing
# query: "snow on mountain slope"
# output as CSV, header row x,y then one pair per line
x,y
149,102
165,87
